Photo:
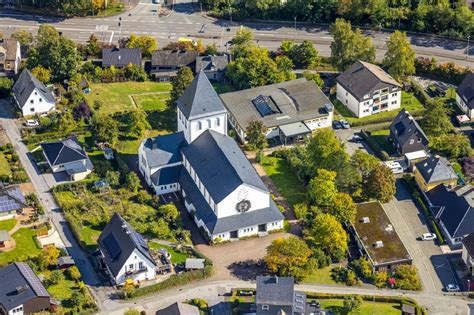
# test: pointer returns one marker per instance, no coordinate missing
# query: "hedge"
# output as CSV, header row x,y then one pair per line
x,y
385,119
379,151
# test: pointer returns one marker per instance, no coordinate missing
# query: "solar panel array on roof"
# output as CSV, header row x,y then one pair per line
x,y
138,239
32,279
112,246
8,204
265,105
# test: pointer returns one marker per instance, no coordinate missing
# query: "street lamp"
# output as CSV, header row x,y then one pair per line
x,y
295,30
468,285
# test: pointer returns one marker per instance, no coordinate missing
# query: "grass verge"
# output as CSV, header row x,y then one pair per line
x,y
320,276
7,224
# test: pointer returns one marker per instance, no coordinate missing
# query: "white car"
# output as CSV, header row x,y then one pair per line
x,y
452,288
394,166
428,236
356,139
32,123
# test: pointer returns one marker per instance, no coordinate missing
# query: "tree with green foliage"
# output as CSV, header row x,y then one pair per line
x,y
24,37
6,85
352,303
325,150
136,73
113,178
453,145
42,74
77,300
243,38
48,257
55,277
93,46
54,52
363,162
380,184
400,57
285,66
343,208
105,130
74,273
211,50
326,232
168,212
349,46
255,133
133,182
147,44
407,278
183,78
287,257
436,120
137,123
303,56
322,188
313,76
363,267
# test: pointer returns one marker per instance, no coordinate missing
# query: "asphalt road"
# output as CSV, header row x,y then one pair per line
x,y
186,22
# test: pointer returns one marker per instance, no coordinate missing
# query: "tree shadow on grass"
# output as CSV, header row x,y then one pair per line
x,y
248,270
163,120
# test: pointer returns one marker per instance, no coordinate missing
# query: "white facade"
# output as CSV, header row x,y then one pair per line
x,y
37,103
193,128
382,100
17,310
468,260
136,267
258,199
463,106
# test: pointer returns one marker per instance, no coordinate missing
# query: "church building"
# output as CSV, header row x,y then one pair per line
x,y
219,186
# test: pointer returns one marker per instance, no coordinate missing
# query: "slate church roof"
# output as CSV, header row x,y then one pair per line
x,y
164,149
26,84
117,242
466,90
200,99
435,169
63,151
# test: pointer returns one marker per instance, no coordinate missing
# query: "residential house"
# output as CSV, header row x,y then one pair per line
x,y
434,171
69,156
406,135
465,95
290,110
124,252
21,291
214,67
31,96
179,308
453,208
10,56
219,186
366,89
468,254
276,295
121,57
377,239
166,63
12,202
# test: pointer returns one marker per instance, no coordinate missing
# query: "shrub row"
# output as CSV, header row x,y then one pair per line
x,y
379,151
420,93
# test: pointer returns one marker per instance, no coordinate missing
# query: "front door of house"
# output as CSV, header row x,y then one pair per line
x,y
262,228
234,234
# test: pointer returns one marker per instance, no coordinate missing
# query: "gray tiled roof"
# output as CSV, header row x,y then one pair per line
x,y
221,165
178,58
179,308
15,276
164,149
274,290
117,245
457,212
466,90
297,100
26,84
404,126
121,57
63,151
364,78
166,175
10,46
435,169
11,199
212,63
200,99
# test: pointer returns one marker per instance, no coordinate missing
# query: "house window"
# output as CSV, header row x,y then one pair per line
x,y
265,307
347,93
209,123
32,101
36,93
419,140
41,99
394,102
130,266
199,126
140,265
218,121
32,109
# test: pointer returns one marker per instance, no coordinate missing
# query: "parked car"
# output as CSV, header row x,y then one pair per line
x,y
344,124
356,139
32,123
452,288
428,236
336,124
394,166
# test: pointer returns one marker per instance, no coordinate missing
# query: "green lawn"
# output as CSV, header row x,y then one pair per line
x,y
152,101
284,179
4,166
90,235
409,102
7,224
381,137
25,247
336,305
176,258
321,276
115,96
63,290
222,88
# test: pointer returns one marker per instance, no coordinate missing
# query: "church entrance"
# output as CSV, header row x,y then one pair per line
x,y
262,228
234,234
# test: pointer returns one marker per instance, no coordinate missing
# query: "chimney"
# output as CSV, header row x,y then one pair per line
x,y
154,145
21,289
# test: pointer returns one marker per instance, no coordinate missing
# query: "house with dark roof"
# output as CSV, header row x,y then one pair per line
x,y
12,202
21,291
179,308
276,295
289,110
214,67
365,89
406,135
166,63
468,255
121,57
124,253
465,95
434,171
68,156
377,239
219,186
10,56
31,96
453,208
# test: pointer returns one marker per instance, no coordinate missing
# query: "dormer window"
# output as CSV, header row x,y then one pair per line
x,y
199,125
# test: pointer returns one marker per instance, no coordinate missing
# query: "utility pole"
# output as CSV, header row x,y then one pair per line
x,y
467,50
294,37
120,27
